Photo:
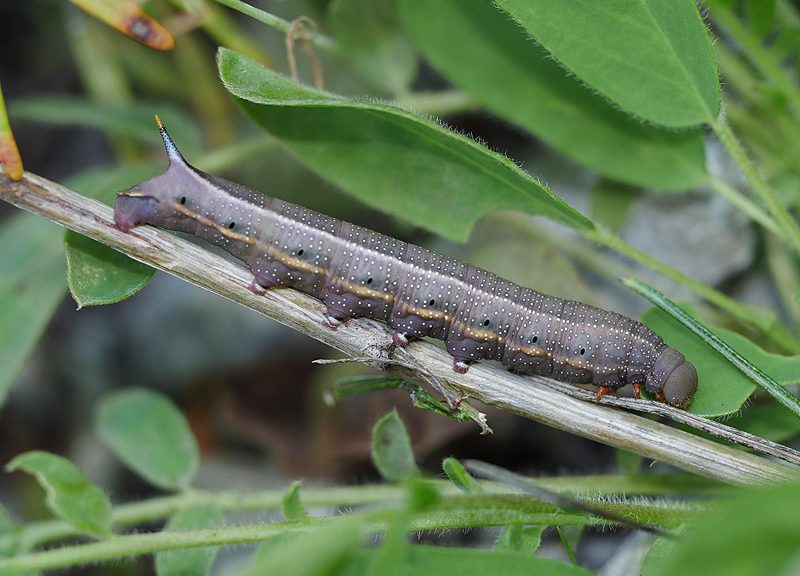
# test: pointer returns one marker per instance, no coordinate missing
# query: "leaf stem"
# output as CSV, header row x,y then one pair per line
x,y
773,388
319,40
791,230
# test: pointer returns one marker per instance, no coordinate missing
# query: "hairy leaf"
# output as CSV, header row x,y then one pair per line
x,y
650,57
484,52
389,158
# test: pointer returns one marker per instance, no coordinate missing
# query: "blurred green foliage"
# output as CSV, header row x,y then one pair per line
x,y
624,92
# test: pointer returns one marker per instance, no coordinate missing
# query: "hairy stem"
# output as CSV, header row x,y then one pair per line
x,y
36,534
453,512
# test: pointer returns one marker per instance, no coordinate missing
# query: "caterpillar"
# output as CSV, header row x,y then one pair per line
x,y
356,272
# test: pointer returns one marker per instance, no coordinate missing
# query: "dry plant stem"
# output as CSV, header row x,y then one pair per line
x,y
712,427
529,397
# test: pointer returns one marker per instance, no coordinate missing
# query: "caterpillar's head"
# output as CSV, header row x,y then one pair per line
x,y
673,377
151,202
135,207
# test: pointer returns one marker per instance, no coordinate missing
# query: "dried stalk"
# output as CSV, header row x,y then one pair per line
x,y
533,398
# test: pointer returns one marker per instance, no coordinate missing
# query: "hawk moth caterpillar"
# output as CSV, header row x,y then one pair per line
x,y
356,272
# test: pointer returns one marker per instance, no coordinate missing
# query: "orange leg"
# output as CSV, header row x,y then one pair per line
x,y
661,398
637,390
602,391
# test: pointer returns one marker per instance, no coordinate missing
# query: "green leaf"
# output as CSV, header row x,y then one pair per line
x,y
519,538
192,561
134,120
32,284
97,274
369,34
391,448
459,476
439,560
70,495
481,50
389,158
650,57
150,435
722,388
316,553
754,533
292,505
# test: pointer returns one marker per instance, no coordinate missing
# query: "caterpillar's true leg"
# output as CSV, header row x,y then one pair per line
x,y
602,391
637,390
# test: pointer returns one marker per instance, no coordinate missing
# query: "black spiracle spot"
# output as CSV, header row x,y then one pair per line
x,y
300,252
183,199
369,280
486,322
583,351
432,302
232,225
535,339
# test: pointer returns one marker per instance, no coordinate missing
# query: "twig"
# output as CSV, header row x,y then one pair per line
x,y
734,435
529,397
